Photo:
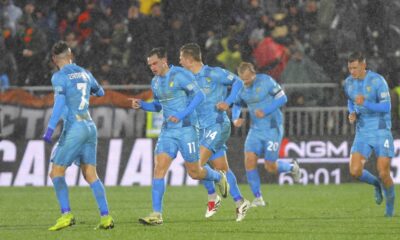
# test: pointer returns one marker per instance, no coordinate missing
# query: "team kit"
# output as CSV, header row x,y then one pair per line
x,y
194,99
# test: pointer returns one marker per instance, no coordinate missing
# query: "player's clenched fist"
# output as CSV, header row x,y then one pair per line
x,y
135,103
259,113
359,100
352,117
222,106
238,122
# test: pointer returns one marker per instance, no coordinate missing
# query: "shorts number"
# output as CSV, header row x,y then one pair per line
x,y
272,146
82,87
386,144
211,135
192,147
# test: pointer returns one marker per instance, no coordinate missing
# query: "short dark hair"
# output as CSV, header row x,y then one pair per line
x,y
356,56
159,51
59,48
193,50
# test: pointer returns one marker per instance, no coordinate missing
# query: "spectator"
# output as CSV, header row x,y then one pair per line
x,y
156,27
9,15
180,33
31,51
8,67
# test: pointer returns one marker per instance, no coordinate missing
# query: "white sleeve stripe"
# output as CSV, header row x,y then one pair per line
x,y
279,94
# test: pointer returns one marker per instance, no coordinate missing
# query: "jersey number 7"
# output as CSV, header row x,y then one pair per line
x,y
82,87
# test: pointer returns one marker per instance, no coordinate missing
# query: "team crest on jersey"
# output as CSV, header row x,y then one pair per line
x,y
171,84
368,88
258,90
208,79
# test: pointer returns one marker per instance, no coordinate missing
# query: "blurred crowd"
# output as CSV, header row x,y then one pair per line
x,y
295,41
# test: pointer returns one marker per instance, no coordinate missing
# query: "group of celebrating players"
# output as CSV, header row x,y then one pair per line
x,y
194,100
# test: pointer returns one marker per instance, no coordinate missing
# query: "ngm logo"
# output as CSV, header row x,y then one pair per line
x,y
322,149
314,149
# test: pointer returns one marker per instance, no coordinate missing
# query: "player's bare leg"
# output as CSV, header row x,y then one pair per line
x,y
162,163
276,167
383,166
214,201
220,162
253,178
358,172
57,175
90,174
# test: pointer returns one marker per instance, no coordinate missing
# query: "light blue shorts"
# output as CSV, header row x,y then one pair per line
x,y
381,142
77,143
215,136
264,143
185,140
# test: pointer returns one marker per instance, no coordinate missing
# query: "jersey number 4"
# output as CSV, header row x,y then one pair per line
x,y
82,87
386,143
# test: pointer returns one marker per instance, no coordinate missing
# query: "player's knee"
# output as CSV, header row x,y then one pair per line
x,y
195,174
221,166
160,172
250,165
56,172
90,178
384,174
270,167
51,174
355,172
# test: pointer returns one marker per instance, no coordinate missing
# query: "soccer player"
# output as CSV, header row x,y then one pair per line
x,y
263,97
215,126
369,107
73,86
176,93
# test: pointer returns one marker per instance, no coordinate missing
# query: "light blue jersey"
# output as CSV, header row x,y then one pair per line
x,y
372,127
174,92
214,82
374,89
265,134
215,126
78,140
259,95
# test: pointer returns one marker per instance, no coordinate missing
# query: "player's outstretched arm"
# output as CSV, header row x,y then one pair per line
x,y
58,107
153,106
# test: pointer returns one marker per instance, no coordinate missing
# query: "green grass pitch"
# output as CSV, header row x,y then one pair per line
x,y
294,212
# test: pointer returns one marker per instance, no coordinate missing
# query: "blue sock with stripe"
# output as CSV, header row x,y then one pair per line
x,y
234,188
254,181
367,177
157,193
390,196
284,167
210,186
100,195
61,188
212,175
